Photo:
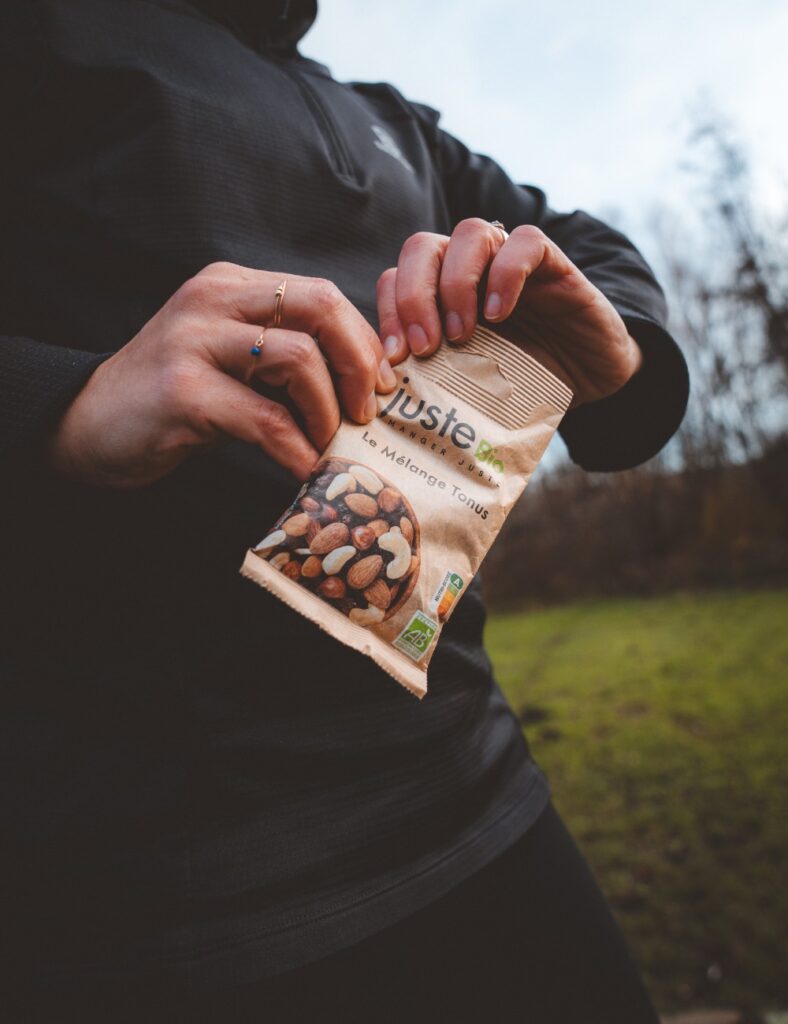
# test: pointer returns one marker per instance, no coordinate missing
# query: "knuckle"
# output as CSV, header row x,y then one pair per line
x,y
219,268
208,286
459,293
367,362
326,297
419,240
178,384
529,232
385,278
472,226
197,291
414,305
303,350
276,421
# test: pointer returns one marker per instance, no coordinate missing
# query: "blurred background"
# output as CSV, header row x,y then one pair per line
x,y
640,620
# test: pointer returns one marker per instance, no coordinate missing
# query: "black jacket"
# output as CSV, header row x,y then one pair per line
x,y
195,776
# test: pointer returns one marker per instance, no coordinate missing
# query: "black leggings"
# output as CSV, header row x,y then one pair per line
x,y
529,938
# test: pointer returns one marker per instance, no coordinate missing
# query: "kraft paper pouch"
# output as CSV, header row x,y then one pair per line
x,y
381,542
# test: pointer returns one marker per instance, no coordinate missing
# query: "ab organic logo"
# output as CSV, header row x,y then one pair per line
x,y
416,638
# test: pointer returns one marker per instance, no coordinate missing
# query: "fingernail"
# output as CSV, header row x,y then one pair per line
x,y
391,346
386,378
371,407
453,326
492,308
417,339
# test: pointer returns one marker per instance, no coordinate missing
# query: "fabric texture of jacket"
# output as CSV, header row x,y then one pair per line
x,y
197,781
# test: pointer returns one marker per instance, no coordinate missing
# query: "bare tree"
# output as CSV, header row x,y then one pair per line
x,y
727,283
715,510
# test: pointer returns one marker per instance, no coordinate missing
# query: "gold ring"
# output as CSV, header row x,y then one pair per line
x,y
257,348
279,301
501,228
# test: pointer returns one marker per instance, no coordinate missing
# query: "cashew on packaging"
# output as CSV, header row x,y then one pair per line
x,y
384,537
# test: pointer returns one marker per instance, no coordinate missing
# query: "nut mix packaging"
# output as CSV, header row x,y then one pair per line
x,y
382,540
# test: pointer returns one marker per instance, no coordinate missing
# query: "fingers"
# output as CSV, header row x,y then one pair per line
x,y
435,273
416,286
290,360
392,331
294,361
435,286
224,404
319,309
527,253
473,245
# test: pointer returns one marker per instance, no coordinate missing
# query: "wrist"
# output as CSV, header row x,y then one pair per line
x,y
637,355
69,451
62,450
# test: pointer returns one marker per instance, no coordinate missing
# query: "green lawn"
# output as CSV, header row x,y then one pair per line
x,y
662,725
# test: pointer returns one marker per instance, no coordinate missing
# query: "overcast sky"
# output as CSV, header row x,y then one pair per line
x,y
588,101
592,102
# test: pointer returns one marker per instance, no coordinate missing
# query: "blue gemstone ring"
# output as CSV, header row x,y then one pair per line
x,y
257,348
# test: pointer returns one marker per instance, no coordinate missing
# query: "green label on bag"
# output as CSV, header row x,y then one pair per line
x,y
416,638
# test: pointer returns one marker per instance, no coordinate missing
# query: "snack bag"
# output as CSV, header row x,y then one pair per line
x,y
383,539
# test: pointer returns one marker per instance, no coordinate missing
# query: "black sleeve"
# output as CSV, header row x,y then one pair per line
x,y
37,384
633,424
37,381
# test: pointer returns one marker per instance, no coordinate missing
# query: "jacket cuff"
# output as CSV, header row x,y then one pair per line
x,y
37,384
632,425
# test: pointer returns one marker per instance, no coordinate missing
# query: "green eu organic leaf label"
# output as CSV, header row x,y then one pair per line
x,y
416,638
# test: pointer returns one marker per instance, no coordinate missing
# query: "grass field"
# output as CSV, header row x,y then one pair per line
x,y
662,724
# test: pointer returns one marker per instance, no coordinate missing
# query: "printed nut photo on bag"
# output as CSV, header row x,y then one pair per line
x,y
382,540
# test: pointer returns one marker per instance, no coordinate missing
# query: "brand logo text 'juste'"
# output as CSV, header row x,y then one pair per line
x,y
433,417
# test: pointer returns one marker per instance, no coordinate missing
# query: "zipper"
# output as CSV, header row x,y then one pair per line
x,y
330,133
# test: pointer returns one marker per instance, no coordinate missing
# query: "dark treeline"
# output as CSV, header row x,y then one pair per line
x,y
713,509
579,534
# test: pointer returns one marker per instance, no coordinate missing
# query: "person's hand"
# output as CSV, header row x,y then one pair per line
x,y
188,380
552,310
